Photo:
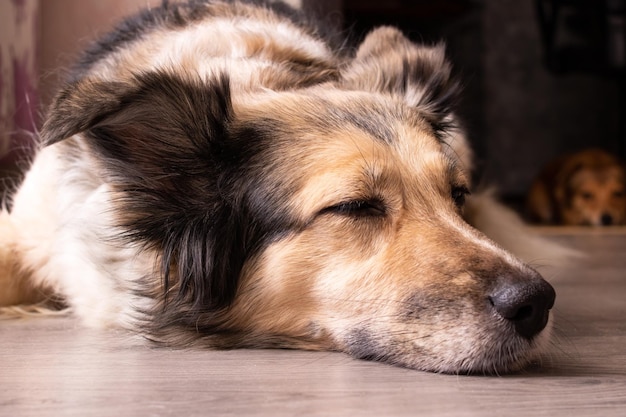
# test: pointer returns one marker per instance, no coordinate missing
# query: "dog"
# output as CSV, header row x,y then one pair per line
x,y
586,188
227,174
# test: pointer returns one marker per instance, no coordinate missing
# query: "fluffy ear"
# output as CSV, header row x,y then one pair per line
x,y
388,62
163,145
152,115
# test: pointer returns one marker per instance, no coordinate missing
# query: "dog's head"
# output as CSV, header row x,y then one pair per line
x,y
328,217
591,189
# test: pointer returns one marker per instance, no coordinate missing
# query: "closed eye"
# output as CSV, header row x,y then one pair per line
x,y
358,208
458,194
586,195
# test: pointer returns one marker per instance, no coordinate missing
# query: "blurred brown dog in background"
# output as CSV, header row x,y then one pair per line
x,y
584,188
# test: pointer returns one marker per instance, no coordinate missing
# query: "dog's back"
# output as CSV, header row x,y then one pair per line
x,y
272,46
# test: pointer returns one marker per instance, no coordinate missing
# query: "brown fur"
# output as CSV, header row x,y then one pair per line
x,y
586,188
16,289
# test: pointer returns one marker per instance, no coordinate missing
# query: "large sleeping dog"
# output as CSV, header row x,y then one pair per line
x,y
225,174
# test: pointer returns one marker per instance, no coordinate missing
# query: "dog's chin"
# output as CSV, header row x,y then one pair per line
x,y
496,354
510,357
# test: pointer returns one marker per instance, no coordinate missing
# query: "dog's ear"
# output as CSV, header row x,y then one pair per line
x,y
388,62
138,109
162,143
563,182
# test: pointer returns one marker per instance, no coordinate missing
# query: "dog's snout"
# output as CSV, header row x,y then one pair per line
x,y
606,219
525,304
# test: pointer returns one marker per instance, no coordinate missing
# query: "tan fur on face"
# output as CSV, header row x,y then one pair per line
x,y
586,188
371,285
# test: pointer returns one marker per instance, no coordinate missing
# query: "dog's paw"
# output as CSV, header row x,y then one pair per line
x,y
14,287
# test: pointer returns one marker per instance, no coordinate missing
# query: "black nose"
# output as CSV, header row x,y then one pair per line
x,y
524,303
606,219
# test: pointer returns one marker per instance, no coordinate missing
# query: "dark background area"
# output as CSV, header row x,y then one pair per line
x,y
530,94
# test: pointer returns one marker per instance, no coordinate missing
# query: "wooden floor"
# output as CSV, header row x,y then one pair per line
x,y
52,367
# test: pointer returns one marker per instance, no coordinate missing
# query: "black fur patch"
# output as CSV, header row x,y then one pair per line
x,y
187,176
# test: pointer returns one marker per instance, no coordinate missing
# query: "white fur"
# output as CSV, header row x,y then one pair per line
x,y
63,234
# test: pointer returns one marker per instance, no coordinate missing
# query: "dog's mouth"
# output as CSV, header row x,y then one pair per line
x,y
488,353
602,220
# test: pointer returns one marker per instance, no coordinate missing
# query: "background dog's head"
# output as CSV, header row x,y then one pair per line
x,y
328,217
590,189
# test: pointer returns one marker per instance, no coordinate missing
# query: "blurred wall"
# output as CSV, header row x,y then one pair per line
x,y
530,114
18,77
67,26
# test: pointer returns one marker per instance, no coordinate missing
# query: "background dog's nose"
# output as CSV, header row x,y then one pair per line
x,y
606,219
526,304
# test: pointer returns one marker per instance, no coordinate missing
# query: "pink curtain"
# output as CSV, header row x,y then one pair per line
x,y
18,78
38,38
